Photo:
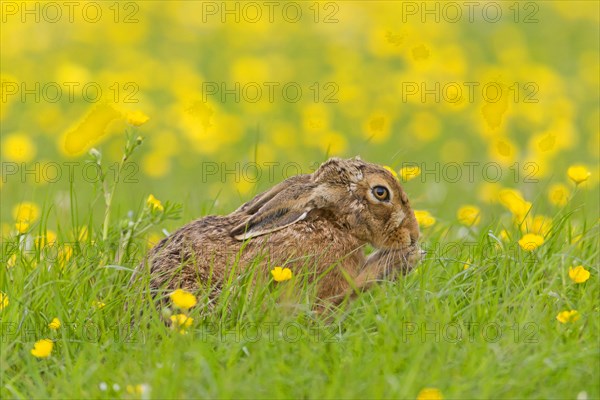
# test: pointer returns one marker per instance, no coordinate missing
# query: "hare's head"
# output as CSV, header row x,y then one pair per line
x,y
362,198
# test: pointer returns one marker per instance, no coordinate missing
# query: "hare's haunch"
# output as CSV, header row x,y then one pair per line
x,y
309,223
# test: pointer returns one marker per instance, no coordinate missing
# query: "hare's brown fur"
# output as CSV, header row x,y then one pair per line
x,y
309,223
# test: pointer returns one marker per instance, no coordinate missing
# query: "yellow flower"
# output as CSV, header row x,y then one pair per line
x,y
54,324
26,211
22,226
137,118
579,274
469,215
409,172
98,304
424,218
530,241
65,252
183,299
11,261
181,322
514,202
578,173
391,171
18,147
281,274
504,235
137,389
559,194
565,317
154,203
42,348
430,394
3,300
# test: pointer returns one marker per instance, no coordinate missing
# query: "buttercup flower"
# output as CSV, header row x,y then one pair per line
x,y
11,261
530,242
565,317
18,147
154,203
559,194
514,202
469,215
3,300
26,212
42,348
22,226
281,274
579,274
137,118
391,170
409,172
98,304
578,173
137,389
430,394
54,324
181,322
183,299
424,218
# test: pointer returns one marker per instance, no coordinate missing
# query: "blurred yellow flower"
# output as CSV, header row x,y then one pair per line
x,y
540,224
281,274
424,218
90,130
137,389
514,202
3,300
42,348
18,147
504,235
409,172
65,252
26,211
559,194
156,164
391,171
578,173
54,324
22,226
47,240
469,215
530,242
154,238
181,322
137,118
183,299
430,394
564,317
98,304
11,261
154,203
579,274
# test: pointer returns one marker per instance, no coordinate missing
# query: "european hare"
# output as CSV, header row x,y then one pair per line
x,y
309,223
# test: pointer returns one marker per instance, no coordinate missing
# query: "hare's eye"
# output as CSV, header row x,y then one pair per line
x,y
381,193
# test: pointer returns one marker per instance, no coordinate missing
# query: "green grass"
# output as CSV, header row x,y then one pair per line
x,y
489,331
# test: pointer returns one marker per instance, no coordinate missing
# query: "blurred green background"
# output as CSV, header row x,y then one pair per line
x,y
513,85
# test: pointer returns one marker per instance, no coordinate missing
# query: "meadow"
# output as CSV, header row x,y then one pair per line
x,y
122,121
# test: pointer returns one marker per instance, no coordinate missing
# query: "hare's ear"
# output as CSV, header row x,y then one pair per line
x,y
288,206
260,200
